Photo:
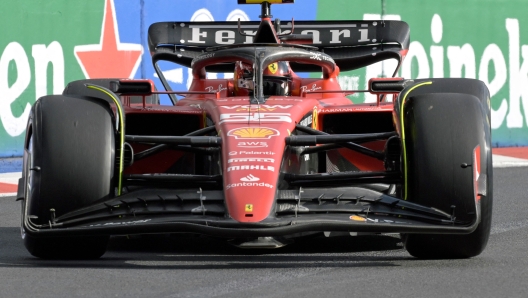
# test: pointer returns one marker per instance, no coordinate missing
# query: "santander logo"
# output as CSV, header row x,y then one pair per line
x,y
249,181
249,178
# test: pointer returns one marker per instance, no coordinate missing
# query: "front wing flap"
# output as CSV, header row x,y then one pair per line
x,y
203,212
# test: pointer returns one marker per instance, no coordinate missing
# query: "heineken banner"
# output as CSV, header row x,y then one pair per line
x,y
46,44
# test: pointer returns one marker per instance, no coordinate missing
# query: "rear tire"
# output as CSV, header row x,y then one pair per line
x,y
442,132
68,164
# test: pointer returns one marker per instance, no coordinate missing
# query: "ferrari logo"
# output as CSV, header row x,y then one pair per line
x,y
249,207
314,118
273,67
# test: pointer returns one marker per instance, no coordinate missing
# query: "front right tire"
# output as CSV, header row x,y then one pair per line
x,y
447,137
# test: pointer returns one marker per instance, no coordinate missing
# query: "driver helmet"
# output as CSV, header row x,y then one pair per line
x,y
277,79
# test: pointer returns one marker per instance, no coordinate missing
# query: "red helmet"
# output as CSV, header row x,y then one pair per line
x,y
277,79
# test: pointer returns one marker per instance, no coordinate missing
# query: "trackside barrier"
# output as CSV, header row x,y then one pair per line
x,y
43,50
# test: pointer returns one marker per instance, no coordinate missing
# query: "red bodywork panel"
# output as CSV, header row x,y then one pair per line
x,y
254,137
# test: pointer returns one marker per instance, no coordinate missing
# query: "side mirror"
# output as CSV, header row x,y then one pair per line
x,y
387,85
132,87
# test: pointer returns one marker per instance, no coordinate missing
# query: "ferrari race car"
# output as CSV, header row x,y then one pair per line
x,y
267,155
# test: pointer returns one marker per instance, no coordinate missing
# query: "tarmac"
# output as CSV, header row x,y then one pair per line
x,y
502,158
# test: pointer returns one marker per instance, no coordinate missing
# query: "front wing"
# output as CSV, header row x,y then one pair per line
x,y
195,211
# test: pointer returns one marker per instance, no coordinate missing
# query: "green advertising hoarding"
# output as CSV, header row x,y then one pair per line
x,y
41,49
482,39
42,45
37,57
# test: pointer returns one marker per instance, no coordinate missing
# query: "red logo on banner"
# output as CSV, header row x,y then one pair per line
x,y
110,58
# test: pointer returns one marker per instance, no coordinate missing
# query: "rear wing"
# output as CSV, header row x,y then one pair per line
x,y
352,44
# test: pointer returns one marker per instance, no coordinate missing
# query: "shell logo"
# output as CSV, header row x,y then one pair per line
x,y
253,133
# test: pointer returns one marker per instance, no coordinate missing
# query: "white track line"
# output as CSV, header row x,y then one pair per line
x,y
10,177
508,226
500,161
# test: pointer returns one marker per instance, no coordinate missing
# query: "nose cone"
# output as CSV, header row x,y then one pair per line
x,y
252,160
251,198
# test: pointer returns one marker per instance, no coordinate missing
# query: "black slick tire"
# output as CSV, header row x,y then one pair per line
x,y
68,164
443,131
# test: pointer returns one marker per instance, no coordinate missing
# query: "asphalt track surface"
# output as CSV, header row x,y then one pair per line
x,y
367,266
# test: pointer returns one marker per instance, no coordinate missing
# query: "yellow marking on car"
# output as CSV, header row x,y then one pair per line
x,y
403,135
357,218
121,133
253,133
314,118
249,207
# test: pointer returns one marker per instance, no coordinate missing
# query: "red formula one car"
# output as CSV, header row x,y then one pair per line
x,y
266,156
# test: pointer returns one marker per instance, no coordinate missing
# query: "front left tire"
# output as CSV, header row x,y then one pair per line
x,y
68,164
